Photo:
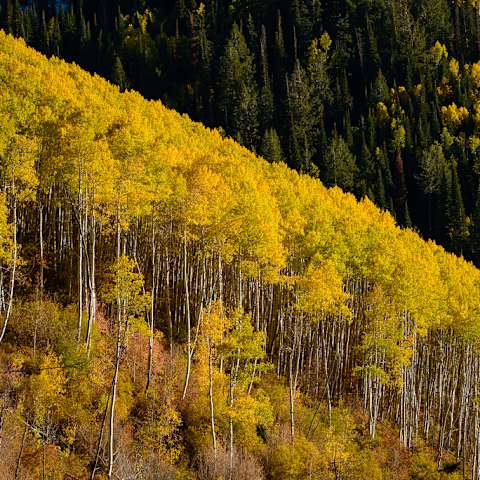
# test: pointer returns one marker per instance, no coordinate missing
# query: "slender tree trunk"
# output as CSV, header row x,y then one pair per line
x,y
14,264
114,394
100,437
80,258
93,289
293,376
118,352
152,309
20,453
40,211
187,310
168,300
230,425
212,412
291,395
44,463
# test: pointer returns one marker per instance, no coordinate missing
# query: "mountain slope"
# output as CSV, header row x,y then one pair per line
x,y
157,276
379,97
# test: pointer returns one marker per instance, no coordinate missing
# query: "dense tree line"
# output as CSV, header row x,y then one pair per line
x,y
365,95
207,313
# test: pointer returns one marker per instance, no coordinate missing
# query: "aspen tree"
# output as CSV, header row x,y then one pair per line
x,y
18,176
240,348
125,290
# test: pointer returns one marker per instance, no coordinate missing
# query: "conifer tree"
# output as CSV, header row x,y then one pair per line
x,y
119,76
457,225
238,92
371,50
302,119
475,232
430,173
340,166
270,148
266,100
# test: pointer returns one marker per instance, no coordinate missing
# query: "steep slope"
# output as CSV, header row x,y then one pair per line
x,y
379,97
128,230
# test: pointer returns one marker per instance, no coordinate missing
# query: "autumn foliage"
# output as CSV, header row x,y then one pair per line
x,y
173,306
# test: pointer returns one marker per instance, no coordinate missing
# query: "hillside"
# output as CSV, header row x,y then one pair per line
x,y
379,97
174,306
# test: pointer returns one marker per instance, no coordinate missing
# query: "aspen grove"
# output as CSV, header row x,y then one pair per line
x,y
174,306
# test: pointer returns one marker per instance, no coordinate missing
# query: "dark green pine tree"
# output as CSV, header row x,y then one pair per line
x,y
302,23
340,167
118,76
371,135
407,221
456,220
425,118
435,128
279,69
271,148
280,55
382,161
408,135
347,128
266,101
347,98
372,57
82,29
429,176
391,208
379,92
420,137
34,26
238,94
440,25
440,229
322,144
367,170
44,37
302,119
83,38
68,22
29,25
7,15
475,235
380,195
251,36
18,23
181,15
55,36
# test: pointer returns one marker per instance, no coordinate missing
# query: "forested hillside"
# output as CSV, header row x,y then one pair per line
x,y
380,97
173,306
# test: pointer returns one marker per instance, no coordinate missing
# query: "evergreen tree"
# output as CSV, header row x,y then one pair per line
x,y
407,221
339,167
302,120
371,135
379,91
431,170
366,169
119,77
270,148
266,101
238,93
380,195
475,232
372,56
457,223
